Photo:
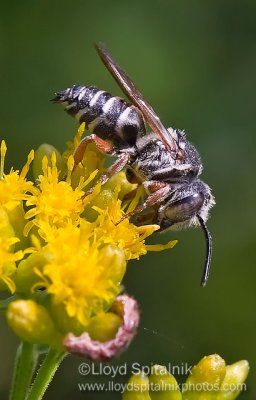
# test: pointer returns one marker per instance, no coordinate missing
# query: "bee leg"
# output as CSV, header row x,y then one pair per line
x,y
78,154
101,145
162,189
154,186
146,218
116,167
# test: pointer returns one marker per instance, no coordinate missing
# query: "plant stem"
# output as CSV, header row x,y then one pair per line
x,y
25,361
5,303
45,374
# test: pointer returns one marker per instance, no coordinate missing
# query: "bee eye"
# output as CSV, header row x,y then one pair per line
x,y
185,208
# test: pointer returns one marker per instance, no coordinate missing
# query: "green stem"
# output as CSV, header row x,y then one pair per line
x,y
45,374
5,303
25,361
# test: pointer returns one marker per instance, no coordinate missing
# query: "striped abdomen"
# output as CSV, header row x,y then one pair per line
x,y
109,117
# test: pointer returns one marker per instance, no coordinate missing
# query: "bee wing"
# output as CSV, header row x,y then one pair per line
x,y
136,97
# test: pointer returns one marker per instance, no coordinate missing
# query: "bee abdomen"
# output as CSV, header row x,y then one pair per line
x,y
109,117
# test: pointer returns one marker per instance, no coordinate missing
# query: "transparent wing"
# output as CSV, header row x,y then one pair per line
x,y
135,96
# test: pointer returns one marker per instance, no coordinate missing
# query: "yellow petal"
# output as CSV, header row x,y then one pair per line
x,y
161,247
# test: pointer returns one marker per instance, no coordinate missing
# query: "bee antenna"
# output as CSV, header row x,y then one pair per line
x,y
207,263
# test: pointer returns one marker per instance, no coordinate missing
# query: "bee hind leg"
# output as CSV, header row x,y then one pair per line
x,y
101,145
78,154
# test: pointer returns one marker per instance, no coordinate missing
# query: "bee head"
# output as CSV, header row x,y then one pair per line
x,y
189,206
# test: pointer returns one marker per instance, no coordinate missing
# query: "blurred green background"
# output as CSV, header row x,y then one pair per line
x,y
195,61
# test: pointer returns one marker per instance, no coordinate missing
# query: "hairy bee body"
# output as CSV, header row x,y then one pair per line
x,y
109,117
153,161
120,123
163,161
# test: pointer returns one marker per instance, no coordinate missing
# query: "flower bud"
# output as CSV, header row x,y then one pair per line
x,y
205,379
17,219
85,346
120,180
6,229
8,255
32,323
163,385
6,277
26,277
114,263
104,327
63,321
46,150
93,160
233,382
137,388
102,201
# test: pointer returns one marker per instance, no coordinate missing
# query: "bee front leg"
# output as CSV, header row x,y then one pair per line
x,y
159,190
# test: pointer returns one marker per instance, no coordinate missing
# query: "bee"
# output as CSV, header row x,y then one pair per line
x,y
163,161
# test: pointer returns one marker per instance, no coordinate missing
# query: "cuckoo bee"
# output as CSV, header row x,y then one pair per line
x,y
164,161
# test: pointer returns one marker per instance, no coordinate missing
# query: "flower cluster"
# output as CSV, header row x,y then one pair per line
x,y
210,379
63,255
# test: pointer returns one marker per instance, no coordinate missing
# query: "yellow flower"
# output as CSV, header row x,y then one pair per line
x,y
72,144
32,322
80,273
210,379
126,235
86,261
56,201
93,159
13,186
7,255
80,250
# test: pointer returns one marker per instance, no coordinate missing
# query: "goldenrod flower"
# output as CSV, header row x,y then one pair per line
x,y
80,251
67,292
80,273
53,200
210,379
23,317
8,256
46,150
13,186
125,235
92,160
72,144
83,345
